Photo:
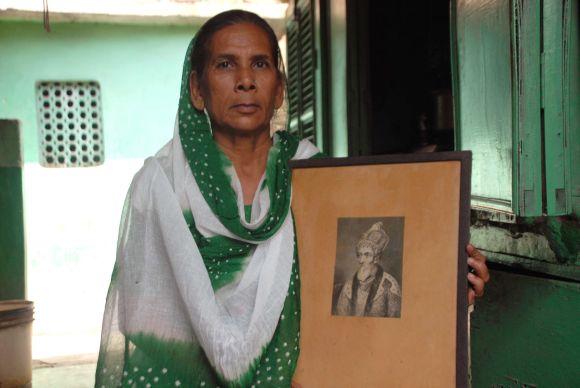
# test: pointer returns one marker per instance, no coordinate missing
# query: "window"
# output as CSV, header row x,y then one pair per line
x,y
70,123
517,104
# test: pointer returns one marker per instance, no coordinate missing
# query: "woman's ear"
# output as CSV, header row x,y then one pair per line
x,y
195,91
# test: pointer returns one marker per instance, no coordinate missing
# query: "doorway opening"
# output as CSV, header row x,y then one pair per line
x,y
400,80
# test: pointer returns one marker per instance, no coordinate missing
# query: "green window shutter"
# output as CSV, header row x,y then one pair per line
x,y
572,99
526,69
560,83
301,70
517,103
484,94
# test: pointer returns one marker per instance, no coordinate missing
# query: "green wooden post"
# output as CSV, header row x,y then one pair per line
x,y
573,95
12,255
527,161
555,131
322,76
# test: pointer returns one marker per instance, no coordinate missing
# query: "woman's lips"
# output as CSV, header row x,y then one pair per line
x,y
246,108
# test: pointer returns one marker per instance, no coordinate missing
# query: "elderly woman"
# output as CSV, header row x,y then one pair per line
x,y
200,294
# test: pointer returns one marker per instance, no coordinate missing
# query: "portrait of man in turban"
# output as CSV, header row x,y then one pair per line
x,y
370,291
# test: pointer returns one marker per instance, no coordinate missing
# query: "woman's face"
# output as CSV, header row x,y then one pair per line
x,y
241,86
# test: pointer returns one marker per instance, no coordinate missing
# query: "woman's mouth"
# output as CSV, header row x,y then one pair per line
x,y
246,108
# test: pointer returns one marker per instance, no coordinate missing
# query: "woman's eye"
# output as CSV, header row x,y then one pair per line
x,y
261,64
223,64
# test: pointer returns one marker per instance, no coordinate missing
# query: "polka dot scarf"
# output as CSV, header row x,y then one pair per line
x,y
209,165
224,257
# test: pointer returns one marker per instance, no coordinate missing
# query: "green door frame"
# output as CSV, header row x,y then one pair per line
x,y
12,249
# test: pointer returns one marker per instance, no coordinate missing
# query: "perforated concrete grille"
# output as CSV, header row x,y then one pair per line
x,y
70,124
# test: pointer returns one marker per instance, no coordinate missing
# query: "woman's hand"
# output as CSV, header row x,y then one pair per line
x,y
295,385
478,276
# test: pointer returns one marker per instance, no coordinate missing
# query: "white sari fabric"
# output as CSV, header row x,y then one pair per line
x,y
164,321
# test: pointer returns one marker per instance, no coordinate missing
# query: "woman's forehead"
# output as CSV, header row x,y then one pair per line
x,y
240,39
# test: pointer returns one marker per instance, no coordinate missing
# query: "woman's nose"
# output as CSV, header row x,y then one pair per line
x,y
246,81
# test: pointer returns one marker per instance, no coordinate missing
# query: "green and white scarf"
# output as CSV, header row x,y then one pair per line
x,y
200,296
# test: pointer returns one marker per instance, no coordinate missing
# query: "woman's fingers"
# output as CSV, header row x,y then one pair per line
x,y
477,261
479,269
295,385
471,296
478,275
477,284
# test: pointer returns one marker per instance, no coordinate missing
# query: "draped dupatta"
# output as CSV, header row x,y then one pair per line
x,y
199,295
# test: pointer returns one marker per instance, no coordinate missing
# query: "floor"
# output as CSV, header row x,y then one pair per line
x,y
65,372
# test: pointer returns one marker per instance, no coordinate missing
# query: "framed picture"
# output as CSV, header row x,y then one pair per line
x,y
383,270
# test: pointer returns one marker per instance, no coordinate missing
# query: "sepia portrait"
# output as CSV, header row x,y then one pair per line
x,y
368,267
368,297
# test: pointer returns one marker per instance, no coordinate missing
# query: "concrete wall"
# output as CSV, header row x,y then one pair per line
x,y
138,68
72,214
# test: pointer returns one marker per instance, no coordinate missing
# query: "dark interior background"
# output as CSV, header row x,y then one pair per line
x,y
408,75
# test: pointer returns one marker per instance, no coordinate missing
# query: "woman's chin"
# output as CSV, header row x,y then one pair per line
x,y
243,128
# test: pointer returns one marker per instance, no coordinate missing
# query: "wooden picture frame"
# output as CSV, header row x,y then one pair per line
x,y
383,270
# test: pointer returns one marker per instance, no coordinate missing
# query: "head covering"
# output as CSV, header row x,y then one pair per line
x,y
376,237
199,296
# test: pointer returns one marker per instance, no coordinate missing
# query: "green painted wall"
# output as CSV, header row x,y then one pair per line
x,y
525,333
71,215
12,264
549,245
138,68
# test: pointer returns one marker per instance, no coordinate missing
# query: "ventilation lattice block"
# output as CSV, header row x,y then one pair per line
x,y
70,124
